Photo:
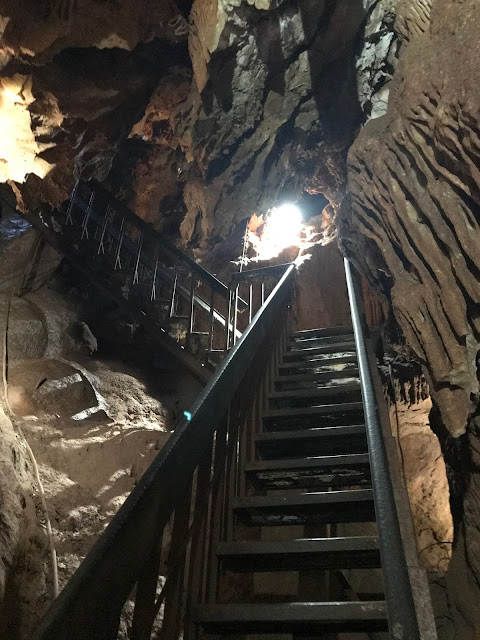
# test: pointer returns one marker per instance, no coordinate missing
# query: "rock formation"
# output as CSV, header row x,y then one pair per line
x,y
273,90
200,114
411,225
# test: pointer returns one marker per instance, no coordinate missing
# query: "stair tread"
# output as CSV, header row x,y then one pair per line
x,y
315,410
315,391
324,331
340,347
315,432
318,375
249,556
319,362
320,340
304,498
341,337
299,545
279,616
310,462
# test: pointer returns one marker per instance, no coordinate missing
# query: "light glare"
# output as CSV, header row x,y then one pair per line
x,y
285,223
282,229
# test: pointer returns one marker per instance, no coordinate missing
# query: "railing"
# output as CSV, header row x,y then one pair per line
x,y
402,616
180,510
158,278
176,299
255,286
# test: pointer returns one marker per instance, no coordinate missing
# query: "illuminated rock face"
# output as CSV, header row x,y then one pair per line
x,y
19,151
414,185
273,106
411,223
76,76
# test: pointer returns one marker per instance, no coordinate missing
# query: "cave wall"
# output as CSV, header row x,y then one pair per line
x,y
321,298
198,126
75,78
251,102
411,224
274,88
23,544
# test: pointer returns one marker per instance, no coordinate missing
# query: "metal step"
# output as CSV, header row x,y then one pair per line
x,y
316,410
319,392
305,508
313,343
324,339
302,397
293,617
323,332
303,553
319,364
325,415
341,347
316,442
310,473
312,378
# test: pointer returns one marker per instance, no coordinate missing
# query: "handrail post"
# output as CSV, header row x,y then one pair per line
x,y
171,310
402,616
192,303
228,318
235,315
69,219
86,217
210,329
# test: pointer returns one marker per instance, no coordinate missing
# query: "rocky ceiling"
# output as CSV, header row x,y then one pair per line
x,y
199,115
212,120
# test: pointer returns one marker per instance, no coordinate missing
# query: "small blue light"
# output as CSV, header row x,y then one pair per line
x,y
187,415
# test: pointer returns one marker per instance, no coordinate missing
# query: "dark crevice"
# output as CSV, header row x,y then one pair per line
x,y
472,267
450,166
437,331
410,240
458,463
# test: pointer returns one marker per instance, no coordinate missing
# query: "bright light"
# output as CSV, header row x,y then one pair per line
x,y
281,229
284,224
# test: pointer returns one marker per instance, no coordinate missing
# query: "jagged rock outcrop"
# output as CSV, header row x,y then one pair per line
x,y
377,60
411,224
414,184
273,107
75,77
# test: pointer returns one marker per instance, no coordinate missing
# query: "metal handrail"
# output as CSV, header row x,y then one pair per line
x,y
205,275
257,274
91,603
402,616
215,284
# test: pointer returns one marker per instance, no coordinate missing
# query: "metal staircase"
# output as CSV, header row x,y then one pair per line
x,y
284,467
308,467
188,311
